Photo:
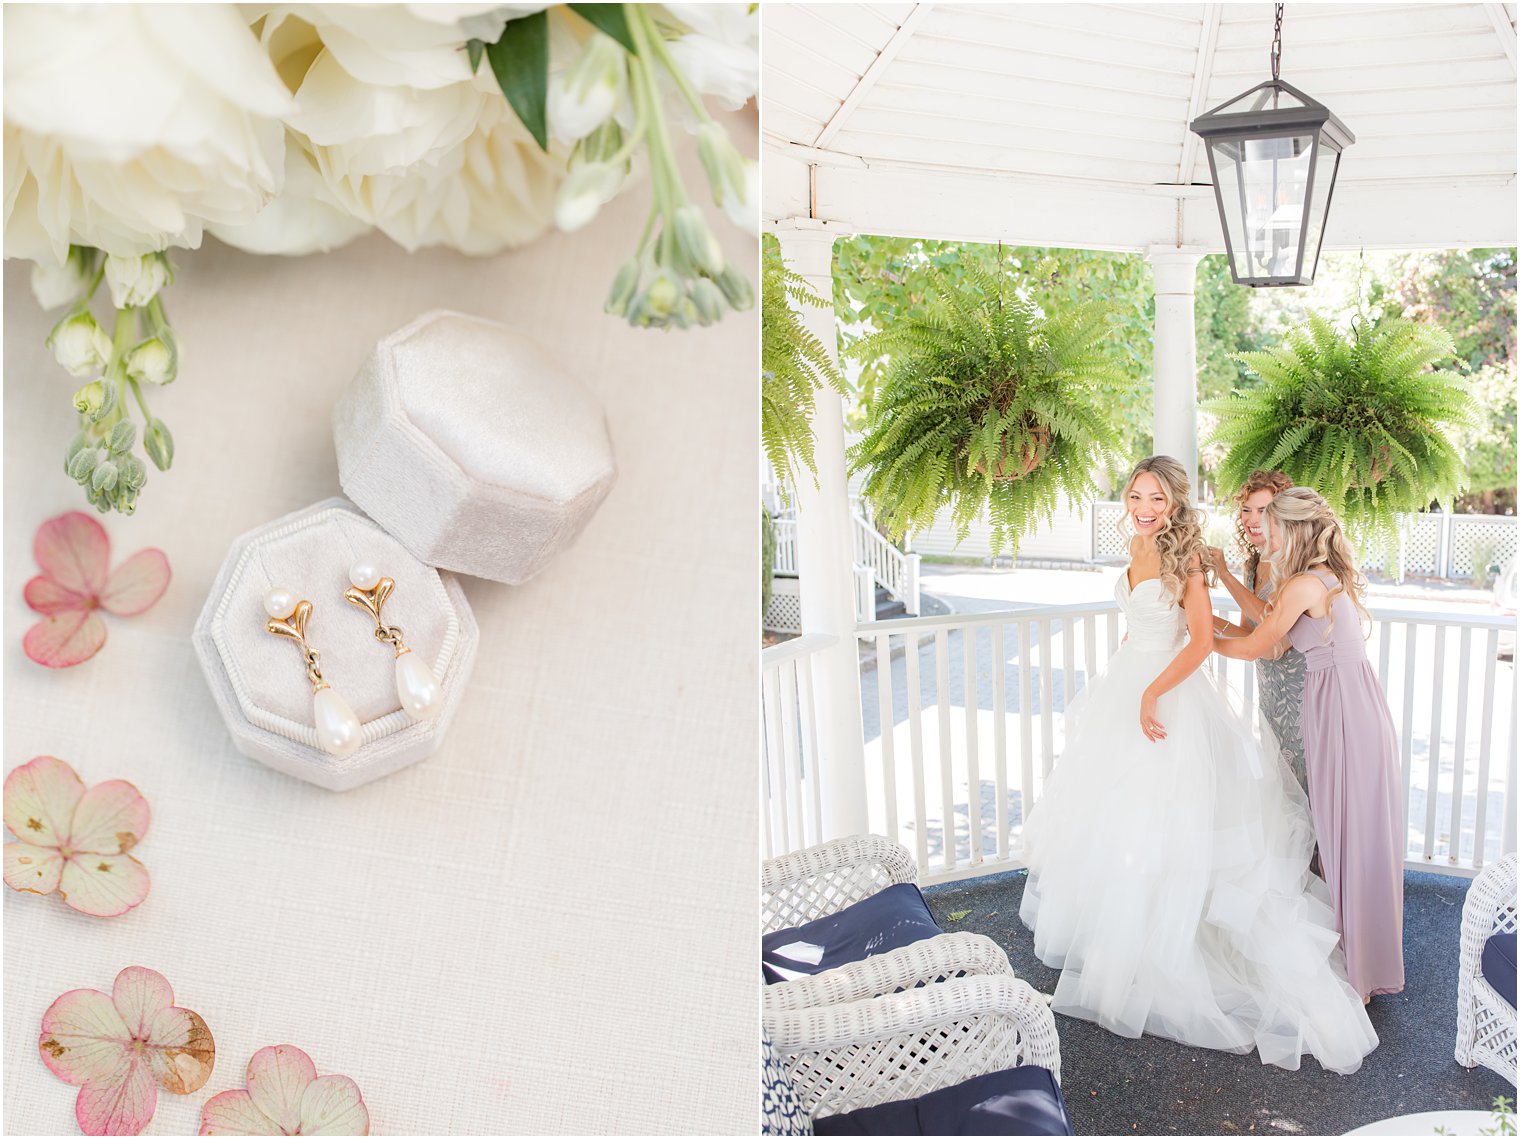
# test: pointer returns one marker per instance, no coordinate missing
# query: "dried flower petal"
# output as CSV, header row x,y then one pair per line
x,y
65,639
286,1097
136,584
40,800
110,819
75,841
118,1049
104,885
74,554
32,869
74,551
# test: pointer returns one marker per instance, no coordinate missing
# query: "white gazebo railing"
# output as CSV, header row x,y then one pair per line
x,y
964,715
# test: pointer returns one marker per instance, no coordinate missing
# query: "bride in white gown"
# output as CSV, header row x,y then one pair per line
x,y
1169,852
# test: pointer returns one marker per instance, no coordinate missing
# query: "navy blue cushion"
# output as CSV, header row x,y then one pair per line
x,y
1499,964
1017,1101
895,917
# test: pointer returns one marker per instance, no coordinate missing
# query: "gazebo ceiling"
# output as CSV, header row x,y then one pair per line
x,y
1067,124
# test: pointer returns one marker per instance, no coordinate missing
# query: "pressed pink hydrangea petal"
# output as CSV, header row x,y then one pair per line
x,y
233,1113
181,1050
74,551
332,1105
65,639
83,1037
34,869
120,1104
277,1079
104,885
110,819
136,584
46,596
40,799
139,995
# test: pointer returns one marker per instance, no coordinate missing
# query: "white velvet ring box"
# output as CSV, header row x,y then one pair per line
x,y
259,680
468,443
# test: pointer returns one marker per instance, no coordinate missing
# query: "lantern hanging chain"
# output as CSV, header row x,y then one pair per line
x,y
1277,43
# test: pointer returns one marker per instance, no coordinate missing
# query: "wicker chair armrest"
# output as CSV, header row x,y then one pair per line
x,y
904,1045
934,959
824,879
1488,909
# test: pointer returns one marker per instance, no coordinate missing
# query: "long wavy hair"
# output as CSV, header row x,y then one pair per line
x,y
1309,534
1179,541
1276,482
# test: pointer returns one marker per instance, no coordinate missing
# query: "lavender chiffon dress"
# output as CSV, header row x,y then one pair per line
x,y
1354,793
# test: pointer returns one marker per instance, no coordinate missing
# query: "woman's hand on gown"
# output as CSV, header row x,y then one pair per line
x,y
1148,722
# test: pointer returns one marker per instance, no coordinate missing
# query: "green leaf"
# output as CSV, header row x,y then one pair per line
x,y
520,62
476,48
608,18
957,915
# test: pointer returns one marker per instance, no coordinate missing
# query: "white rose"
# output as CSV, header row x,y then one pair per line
x,y
720,56
303,219
134,281
128,127
80,344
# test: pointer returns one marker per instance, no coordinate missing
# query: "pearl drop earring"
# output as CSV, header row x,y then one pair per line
x,y
338,729
416,686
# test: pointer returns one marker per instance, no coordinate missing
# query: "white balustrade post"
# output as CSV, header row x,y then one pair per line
x,y
1175,407
825,544
914,603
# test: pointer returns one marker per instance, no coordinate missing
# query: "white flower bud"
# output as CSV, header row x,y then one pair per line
x,y
582,193
55,285
742,206
80,344
583,98
697,242
134,281
152,362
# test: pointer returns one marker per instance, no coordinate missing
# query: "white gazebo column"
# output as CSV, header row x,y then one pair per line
x,y
825,556
1175,406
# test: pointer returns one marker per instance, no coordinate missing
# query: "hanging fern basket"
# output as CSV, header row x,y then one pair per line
x,y
1033,448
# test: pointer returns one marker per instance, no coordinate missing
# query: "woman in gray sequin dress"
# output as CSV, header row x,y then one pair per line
x,y
1280,682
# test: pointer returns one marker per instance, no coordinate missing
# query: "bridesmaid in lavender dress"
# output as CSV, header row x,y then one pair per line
x,y
1349,744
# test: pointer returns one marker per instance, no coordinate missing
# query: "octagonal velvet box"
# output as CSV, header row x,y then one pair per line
x,y
259,680
464,440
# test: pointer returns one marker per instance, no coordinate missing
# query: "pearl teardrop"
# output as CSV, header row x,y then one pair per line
x,y
417,687
338,728
364,575
279,603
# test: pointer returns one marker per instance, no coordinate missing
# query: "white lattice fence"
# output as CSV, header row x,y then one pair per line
x,y
784,613
1475,536
1107,541
1421,552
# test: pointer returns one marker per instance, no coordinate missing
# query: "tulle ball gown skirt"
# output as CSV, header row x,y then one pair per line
x,y
1169,880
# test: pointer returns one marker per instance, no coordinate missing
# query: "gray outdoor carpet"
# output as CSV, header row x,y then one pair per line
x,y
1116,1086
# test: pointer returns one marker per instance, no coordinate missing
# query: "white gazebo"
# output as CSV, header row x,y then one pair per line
x,y
1066,125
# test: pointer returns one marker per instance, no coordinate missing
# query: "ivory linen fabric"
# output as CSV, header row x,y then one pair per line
x,y
548,925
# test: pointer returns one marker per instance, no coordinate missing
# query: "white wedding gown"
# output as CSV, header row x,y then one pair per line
x,y
1169,880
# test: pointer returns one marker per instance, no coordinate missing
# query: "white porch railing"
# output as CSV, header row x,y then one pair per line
x,y
785,530
893,570
977,701
790,791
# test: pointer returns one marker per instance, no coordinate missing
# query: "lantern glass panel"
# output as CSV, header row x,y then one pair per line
x,y
1318,205
1263,182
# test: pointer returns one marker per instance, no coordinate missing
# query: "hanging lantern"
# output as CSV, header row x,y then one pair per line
x,y
1274,153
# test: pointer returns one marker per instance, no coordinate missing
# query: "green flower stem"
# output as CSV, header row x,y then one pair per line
x,y
662,53
142,401
669,195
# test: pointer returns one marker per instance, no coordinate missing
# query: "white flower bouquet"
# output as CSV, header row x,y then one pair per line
x,y
134,129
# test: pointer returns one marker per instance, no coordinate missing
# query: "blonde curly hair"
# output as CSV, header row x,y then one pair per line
x,y
1276,482
1309,534
1179,541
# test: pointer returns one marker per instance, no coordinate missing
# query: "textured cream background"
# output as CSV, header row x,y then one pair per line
x,y
547,926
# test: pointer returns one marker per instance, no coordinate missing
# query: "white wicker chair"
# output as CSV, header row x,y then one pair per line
x,y
902,1045
900,1024
1485,1020
824,879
